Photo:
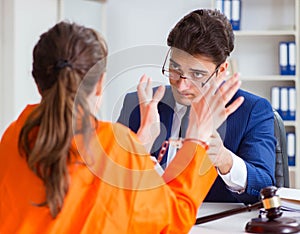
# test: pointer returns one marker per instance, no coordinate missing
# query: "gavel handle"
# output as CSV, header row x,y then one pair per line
x,y
226,213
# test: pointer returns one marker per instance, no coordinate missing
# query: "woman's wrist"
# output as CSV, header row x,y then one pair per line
x,y
204,144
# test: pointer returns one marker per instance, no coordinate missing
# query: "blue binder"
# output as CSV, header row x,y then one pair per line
x,y
284,103
283,99
232,10
227,9
291,148
220,5
236,14
292,103
292,58
275,98
283,58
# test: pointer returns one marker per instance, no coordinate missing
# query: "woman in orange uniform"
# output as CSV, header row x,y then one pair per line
x,y
63,171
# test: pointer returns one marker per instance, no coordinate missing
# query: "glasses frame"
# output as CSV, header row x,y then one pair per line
x,y
163,70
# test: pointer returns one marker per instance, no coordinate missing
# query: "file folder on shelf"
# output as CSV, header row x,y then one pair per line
x,y
220,5
275,99
283,58
283,99
292,58
232,10
236,14
284,103
292,103
291,145
227,9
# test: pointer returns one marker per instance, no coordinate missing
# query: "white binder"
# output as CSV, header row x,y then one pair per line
x,y
227,9
292,58
292,103
283,58
236,14
290,140
275,98
284,105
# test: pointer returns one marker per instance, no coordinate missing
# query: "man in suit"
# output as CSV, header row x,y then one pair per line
x,y
243,148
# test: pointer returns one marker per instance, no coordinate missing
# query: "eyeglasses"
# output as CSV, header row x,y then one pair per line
x,y
173,72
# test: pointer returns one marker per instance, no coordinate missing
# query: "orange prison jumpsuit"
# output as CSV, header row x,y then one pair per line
x,y
118,192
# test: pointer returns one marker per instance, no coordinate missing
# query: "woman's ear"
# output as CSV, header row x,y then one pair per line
x,y
99,84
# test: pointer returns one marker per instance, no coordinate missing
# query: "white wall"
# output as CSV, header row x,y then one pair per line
x,y
6,64
32,17
143,22
85,12
136,31
22,23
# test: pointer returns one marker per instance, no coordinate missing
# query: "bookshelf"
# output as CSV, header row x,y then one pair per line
x,y
256,54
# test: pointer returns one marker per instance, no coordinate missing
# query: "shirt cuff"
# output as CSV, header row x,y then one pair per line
x,y
157,166
236,179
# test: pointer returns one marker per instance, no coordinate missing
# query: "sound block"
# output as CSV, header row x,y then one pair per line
x,y
279,225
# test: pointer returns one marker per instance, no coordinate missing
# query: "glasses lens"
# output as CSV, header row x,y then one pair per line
x,y
171,69
179,64
174,75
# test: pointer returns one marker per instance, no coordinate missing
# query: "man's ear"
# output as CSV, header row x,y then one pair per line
x,y
99,84
222,71
223,67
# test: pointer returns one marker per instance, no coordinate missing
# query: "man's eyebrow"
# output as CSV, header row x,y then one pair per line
x,y
177,64
204,72
199,70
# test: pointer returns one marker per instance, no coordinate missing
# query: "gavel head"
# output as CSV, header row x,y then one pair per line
x,y
271,202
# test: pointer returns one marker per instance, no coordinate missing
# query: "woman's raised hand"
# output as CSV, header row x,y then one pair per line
x,y
150,122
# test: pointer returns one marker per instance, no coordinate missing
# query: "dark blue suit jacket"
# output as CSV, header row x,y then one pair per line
x,y
248,133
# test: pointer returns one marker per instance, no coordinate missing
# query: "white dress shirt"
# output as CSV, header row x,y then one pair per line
x,y
236,179
179,112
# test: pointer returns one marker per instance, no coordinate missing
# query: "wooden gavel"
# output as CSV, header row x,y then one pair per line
x,y
270,202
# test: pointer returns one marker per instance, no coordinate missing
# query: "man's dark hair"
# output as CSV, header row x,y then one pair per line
x,y
205,32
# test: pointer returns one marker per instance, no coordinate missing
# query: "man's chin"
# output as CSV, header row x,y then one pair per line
x,y
184,101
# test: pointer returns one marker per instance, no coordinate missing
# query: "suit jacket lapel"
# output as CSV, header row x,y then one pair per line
x,y
185,122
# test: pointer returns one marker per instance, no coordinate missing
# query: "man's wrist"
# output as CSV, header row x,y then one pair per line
x,y
225,167
236,179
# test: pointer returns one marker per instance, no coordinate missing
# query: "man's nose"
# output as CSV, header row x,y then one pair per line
x,y
183,84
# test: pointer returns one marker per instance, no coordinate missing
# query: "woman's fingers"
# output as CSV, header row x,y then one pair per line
x,y
150,124
144,89
148,88
140,86
158,95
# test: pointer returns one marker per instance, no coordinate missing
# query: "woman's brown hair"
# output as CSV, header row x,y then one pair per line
x,y
61,59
